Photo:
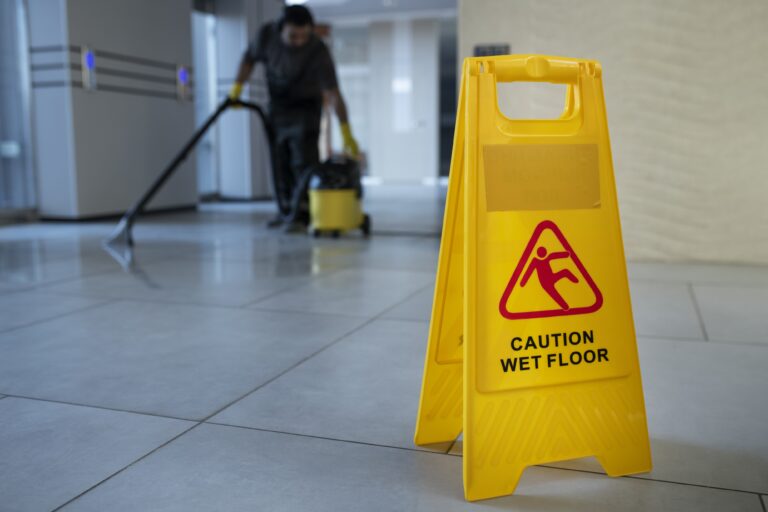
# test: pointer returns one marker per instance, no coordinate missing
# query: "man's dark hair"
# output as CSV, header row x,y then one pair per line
x,y
297,15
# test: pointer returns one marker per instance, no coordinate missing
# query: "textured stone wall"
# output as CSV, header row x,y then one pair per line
x,y
686,85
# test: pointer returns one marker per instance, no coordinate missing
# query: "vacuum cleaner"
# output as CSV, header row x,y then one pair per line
x,y
337,191
335,198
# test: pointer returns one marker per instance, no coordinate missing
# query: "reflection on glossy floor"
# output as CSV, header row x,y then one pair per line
x,y
241,369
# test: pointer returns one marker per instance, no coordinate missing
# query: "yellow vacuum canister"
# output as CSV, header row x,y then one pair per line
x,y
335,199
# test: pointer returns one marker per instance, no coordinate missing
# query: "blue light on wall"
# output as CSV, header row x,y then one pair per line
x,y
183,76
90,60
183,91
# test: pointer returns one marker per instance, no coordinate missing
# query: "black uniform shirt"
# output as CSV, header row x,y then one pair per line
x,y
296,77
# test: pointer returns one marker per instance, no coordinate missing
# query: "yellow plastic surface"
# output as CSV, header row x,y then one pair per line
x,y
532,350
335,209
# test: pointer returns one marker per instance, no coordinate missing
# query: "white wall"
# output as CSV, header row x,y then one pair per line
x,y
685,85
98,150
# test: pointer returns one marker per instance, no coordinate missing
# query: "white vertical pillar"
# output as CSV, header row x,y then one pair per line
x,y
404,100
52,108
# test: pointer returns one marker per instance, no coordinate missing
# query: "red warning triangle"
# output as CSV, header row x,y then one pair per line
x,y
536,270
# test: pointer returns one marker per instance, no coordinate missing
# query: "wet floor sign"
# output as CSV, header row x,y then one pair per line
x,y
532,351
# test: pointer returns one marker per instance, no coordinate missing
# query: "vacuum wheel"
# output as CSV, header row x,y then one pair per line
x,y
366,226
317,233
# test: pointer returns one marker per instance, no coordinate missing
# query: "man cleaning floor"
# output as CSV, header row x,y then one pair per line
x,y
301,77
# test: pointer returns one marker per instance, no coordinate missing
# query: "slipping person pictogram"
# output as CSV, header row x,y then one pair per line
x,y
542,265
540,262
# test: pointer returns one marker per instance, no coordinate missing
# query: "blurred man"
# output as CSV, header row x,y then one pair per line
x,y
300,77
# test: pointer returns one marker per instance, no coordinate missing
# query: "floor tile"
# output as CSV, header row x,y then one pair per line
x,y
64,233
215,282
710,273
664,310
227,468
15,287
734,313
707,414
395,253
365,388
258,246
50,453
28,307
361,292
417,307
34,262
376,252
176,360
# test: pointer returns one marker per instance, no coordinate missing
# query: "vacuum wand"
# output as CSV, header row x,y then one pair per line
x,y
123,231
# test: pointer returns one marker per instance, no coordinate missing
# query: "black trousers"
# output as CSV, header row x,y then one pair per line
x,y
296,135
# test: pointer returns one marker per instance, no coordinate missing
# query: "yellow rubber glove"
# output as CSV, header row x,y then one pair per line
x,y
350,144
235,91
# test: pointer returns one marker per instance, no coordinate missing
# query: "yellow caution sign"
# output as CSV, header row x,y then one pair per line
x,y
532,350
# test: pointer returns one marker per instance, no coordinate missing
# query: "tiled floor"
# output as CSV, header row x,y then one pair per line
x,y
241,369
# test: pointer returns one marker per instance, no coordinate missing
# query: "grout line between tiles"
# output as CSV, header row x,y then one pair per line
x,y
406,299
708,342
413,320
238,307
668,338
408,234
5,292
684,282
289,288
86,275
104,302
184,303
729,284
166,443
659,480
92,406
698,311
293,312
324,438
654,280
14,291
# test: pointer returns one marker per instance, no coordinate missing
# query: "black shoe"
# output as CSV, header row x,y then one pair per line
x,y
295,227
275,222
